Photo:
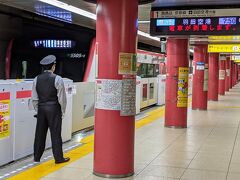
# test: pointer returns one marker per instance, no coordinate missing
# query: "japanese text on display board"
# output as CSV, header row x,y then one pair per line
x,y
223,48
196,22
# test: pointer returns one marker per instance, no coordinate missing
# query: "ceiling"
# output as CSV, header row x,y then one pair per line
x,y
143,15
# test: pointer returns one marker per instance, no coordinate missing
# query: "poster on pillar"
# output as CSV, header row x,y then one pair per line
x,y
4,118
221,74
108,94
205,82
182,93
128,105
127,64
200,66
228,72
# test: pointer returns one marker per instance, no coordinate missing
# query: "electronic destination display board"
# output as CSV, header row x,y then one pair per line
x,y
195,22
54,43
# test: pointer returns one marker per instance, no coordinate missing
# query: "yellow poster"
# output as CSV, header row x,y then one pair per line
x,y
182,93
4,118
224,48
223,38
127,63
235,57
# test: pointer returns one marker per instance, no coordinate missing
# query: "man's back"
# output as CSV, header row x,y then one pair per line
x,y
46,90
49,100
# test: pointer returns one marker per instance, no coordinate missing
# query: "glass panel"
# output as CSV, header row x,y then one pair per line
x,y
142,70
150,71
151,91
156,70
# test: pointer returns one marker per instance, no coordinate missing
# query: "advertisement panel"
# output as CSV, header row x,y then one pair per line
x,y
127,63
4,115
182,93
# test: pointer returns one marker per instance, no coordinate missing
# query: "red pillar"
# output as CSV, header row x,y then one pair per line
x,y
232,74
227,78
177,83
200,78
213,76
114,134
238,73
235,77
222,75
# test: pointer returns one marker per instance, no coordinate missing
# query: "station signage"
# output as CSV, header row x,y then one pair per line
x,y
224,48
224,38
235,57
54,43
195,22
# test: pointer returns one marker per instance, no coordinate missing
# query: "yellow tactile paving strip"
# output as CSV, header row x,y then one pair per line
x,y
48,167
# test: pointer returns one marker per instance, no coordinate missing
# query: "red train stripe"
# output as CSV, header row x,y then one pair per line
x,y
4,96
24,94
90,60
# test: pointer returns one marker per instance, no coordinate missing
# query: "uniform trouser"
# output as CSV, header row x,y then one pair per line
x,y
49,116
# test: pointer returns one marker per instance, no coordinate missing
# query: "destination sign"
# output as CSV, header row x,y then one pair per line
x,y
195,22
196,26
195,13
53,43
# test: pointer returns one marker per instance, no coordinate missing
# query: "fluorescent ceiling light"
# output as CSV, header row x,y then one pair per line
x,y
143,22
86,14
70,8
90,15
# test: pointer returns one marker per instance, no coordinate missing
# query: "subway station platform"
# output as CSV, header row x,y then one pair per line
x,y
209,149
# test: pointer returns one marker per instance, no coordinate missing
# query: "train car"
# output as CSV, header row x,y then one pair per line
x,y
150,65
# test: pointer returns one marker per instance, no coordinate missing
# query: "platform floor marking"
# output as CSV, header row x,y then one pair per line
x,y
48,167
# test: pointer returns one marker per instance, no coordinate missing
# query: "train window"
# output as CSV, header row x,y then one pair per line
x,y
144,92
142,70
151,91
148,70
35,40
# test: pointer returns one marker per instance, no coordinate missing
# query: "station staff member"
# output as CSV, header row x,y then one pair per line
x,y
49,100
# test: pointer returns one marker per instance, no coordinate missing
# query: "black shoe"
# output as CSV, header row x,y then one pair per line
x,y
63,160
37,160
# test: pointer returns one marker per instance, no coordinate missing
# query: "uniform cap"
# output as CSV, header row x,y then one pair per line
x,y
48,60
